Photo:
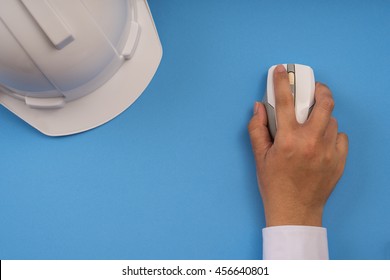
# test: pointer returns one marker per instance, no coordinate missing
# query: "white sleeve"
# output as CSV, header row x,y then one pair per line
x,y
295,243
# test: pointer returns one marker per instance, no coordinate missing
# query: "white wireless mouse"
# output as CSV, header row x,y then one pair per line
x,y
302,86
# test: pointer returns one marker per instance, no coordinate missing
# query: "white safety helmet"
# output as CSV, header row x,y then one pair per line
x,y
67,66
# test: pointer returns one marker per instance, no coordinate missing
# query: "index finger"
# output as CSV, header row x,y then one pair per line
x,y
284,101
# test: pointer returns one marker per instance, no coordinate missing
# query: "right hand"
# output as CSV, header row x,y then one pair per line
x,y
299,170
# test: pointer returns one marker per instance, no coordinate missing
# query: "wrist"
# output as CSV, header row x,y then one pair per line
x,y
297,216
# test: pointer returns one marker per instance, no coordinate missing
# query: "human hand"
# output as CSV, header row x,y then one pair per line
x,y
299,170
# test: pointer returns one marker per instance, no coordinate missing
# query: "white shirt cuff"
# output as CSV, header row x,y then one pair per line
x,y
295,243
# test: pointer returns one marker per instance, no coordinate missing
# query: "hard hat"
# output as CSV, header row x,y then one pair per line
x,y
70,66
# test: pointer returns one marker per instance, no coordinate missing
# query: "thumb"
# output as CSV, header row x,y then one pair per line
x,y
258,131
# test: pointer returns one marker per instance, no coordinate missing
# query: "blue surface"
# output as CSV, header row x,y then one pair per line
x,y
173,177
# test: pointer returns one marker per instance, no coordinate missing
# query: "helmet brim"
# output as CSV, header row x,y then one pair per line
x,y
108,101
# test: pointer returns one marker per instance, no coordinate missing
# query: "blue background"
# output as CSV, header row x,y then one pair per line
x,y
173,177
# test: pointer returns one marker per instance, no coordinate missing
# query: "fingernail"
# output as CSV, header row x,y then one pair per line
x,y
280,68
256,108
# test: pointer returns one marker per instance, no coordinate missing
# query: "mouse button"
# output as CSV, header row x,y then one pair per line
x,y
301,114
271,116
304,81
270,87
305,88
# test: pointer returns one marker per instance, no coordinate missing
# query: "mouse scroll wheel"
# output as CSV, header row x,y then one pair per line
x,y
291,76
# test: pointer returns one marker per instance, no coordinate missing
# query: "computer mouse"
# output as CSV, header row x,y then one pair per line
x,y
302,86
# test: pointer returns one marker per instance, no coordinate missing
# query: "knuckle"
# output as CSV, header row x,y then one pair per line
x,y
328,157
343,142
333,123
311,149
322,86
344,137
286,145
327,104
283,101
284,98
